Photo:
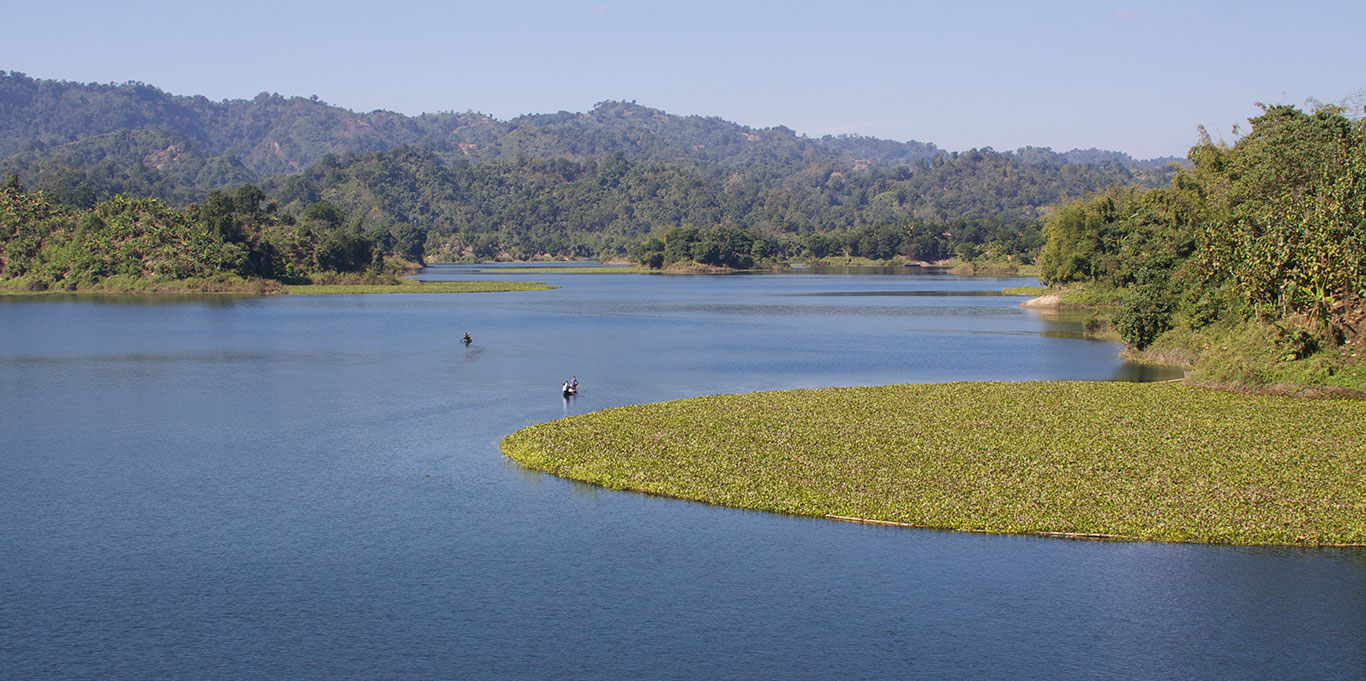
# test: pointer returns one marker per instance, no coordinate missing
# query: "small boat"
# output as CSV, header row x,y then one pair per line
x,y
570,390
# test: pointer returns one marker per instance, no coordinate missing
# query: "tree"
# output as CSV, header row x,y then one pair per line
x,y
324,212
344,250
409,242
247,200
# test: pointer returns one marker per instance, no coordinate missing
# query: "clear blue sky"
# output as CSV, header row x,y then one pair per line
x,y
1133,75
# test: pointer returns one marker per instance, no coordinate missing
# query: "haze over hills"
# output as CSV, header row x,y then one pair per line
x,y
592,183
50,122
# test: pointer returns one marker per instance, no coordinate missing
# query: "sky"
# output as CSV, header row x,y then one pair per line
x,y
1129,76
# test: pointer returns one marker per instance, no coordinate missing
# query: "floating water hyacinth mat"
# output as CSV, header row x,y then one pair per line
x,y
1162,462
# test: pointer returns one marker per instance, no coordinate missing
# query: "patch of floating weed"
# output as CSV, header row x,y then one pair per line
x,y
1162,462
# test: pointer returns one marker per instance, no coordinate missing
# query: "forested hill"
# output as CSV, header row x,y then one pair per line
x,y
86,142
606,205
270,134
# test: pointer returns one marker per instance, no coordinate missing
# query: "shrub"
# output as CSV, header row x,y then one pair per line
x,y
1144,313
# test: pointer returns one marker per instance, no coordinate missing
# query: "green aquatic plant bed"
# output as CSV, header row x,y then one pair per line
x,y
411,286
1164,462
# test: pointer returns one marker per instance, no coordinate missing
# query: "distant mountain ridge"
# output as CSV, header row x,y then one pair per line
x,y
270,134
58,133
598,183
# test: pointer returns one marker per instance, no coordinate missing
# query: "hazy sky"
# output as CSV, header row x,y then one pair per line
x,y
1133,76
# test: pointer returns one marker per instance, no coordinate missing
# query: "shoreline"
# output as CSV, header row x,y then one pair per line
x,y
1187,356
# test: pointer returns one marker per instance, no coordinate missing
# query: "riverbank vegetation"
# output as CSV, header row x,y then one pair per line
x,y
1162,462
231,243
1250,267
978,246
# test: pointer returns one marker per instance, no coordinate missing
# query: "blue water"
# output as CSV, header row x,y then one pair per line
x,y
311,488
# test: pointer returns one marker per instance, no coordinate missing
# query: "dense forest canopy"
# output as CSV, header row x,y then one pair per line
x,y
595,184
1269,232
622,180
606,206
272,135
130,243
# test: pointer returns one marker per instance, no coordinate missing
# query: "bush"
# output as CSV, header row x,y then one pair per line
x,y
1143,314
1295,341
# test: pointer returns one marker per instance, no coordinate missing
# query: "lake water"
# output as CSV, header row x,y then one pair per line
x,y
311,488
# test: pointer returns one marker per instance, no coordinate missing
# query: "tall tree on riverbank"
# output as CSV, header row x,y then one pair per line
x,y
1270,230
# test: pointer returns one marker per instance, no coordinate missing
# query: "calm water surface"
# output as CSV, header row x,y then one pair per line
x,y
311,488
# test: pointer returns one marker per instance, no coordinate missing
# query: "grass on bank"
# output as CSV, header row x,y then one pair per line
x,y
1288,355
1281,356
230,284
120,284
1162,462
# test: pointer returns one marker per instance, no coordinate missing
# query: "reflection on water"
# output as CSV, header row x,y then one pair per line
x,y
1065,324
1077,317
1136,372
1064,334
166,299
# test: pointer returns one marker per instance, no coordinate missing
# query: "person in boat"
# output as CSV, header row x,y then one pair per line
x,y
467,340
565,387
574,383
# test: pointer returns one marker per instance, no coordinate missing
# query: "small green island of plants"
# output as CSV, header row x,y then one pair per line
x,y
1155,462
